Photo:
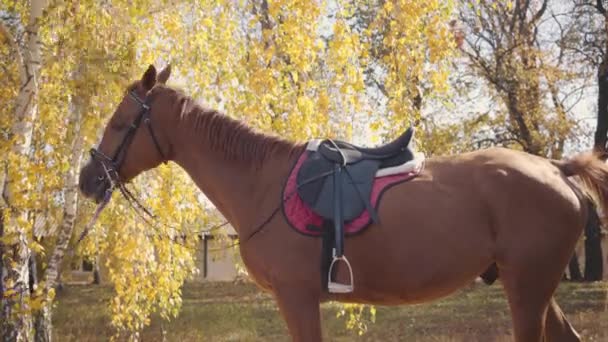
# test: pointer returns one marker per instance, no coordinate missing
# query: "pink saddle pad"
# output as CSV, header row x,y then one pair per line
x,y
301,217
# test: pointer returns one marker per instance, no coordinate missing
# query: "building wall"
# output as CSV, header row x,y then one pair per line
x,y
221,265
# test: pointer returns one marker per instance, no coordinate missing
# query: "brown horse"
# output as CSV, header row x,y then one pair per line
x,y
437,232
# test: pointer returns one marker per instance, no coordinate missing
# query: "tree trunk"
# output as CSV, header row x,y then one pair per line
x,y
575,269
594,265
33,272
96,273
15,315
2,274
601,130
44,327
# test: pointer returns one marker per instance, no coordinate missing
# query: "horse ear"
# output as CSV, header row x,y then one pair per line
x,y
163,76
148,80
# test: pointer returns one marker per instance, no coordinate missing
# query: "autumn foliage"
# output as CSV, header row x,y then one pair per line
x,y
358,70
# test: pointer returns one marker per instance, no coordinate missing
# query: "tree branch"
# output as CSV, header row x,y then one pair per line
x,y
381,87
600,7
540,12
514,16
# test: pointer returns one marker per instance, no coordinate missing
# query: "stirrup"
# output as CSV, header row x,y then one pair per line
x,y
335,287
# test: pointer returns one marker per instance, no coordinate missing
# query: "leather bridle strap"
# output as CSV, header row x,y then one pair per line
x,y
116,160
145,115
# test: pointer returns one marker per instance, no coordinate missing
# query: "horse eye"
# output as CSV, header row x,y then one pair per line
x,y
100,178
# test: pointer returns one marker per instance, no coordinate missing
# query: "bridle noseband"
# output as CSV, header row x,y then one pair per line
x,y
112,165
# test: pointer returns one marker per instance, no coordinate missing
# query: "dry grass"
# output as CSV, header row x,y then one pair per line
x,y
239,312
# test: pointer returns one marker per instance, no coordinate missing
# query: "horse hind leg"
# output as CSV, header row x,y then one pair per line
x,y
557,328
528,308
534,243
529,283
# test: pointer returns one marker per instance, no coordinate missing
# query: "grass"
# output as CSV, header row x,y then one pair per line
x,y
239,312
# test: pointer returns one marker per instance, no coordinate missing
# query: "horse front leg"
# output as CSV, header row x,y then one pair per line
x,y
301,310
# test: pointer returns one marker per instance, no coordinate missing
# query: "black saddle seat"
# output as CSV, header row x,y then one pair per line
x,y
393,153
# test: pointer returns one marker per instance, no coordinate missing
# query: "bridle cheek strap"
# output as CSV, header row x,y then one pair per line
x,y
111,165
117,159
148,123
145,116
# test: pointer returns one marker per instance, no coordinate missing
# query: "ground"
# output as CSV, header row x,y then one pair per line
x,y
239,312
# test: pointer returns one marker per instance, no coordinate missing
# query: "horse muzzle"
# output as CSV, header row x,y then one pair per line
x,y
93,182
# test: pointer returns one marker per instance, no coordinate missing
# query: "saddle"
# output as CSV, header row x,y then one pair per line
x,y
336,183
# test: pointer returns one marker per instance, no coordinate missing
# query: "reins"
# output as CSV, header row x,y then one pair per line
x,y
138,208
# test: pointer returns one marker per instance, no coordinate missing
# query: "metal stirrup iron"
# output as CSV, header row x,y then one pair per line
x,y
335,287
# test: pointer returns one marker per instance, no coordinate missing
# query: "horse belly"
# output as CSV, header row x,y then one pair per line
x,y
423,279
427,245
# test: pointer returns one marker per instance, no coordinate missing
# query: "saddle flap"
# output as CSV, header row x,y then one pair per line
x,y
357,182
312,176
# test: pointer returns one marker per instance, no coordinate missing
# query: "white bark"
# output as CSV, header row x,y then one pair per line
x,y
69,215
17,326
70,192
26,109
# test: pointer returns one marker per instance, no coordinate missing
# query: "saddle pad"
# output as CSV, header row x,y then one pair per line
x,y
302,218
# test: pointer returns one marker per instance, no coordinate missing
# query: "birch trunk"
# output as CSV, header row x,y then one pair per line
x,y
15,317
44,324
51,275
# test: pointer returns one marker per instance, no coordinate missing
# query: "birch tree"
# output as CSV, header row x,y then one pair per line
x,y
22,35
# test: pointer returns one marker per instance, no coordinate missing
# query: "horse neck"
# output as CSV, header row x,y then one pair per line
x,y
241,190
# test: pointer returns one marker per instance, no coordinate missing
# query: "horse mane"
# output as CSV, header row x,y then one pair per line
x,y
223,134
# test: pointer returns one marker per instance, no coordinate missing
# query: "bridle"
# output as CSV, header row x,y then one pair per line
x,y
112,165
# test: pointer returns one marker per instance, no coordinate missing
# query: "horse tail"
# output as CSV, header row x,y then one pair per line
x,y
592,173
